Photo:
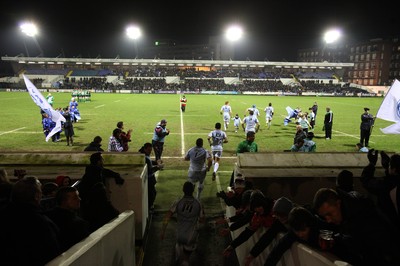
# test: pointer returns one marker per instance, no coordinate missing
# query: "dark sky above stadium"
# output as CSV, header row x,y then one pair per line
x,y
274,30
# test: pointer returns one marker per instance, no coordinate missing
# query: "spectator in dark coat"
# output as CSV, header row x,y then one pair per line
x,y
27,236
95,145
72,227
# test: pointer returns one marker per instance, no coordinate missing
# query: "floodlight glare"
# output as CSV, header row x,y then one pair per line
x,y
133,32
234,33
29,29
332,36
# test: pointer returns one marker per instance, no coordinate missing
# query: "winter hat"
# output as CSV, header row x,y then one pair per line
x,y
282,205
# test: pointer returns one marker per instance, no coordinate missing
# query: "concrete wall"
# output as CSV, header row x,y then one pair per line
x,y
299,175
112,244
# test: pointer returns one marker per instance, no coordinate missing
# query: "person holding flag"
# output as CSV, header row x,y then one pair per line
x,y
367,122
40,101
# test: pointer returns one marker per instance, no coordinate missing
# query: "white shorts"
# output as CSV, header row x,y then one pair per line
x,y
217,154
197,176
227,118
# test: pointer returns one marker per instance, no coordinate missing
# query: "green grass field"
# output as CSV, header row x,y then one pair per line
x,y
21,129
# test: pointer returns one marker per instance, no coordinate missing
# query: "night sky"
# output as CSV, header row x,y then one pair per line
x,y
274,30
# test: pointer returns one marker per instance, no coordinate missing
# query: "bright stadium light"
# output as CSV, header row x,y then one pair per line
x,y
29,29
332,36
134,33
234,33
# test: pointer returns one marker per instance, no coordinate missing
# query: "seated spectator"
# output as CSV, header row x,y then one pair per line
x,y
98,209
48,200
280,211
5,188
309,144
300,134
297,147
63,181
366,235
95,145
27,236
72,227
344,181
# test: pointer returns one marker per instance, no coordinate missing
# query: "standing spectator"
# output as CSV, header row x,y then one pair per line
x,y
315,109
226,112
200,163
369,237
98,209
269,113
237,122
386,189
152,168
311,116
216,139
280,211
251,122
361,148
303,121
367,122
248,145
158,140
95,145
68,127
50,99
125,137
28,237
114,143
183,103
189,213
95,173
73,228
328,121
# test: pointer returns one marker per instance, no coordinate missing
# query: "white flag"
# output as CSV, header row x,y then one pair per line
x,y
392,129
390,107
40,101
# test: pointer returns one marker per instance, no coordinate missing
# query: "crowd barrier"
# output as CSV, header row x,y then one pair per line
x,y
112,244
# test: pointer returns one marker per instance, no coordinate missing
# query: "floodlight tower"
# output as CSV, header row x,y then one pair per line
x,y
233,34
134,33
30,30
330,37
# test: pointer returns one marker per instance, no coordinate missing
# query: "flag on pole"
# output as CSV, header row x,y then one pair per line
x,y
40,101
390,109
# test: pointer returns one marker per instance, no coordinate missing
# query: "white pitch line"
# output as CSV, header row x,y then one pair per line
x,y
11,131
182,131
99,106
348,135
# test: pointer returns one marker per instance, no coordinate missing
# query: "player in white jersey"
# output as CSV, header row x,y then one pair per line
x,y
251,122
189,212
226,112
237,121
253,108
269,113
198,157
216,139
